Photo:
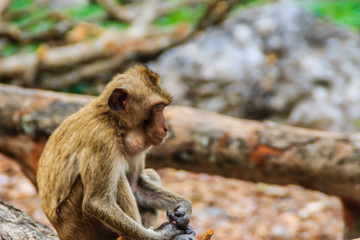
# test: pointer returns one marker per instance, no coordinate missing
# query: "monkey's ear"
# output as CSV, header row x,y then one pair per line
x,y
117,99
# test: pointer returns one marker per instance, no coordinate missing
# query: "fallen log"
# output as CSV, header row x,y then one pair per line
x,y
203,141
14,224
27,119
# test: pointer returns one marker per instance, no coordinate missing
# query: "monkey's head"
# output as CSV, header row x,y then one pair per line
x,y
137,100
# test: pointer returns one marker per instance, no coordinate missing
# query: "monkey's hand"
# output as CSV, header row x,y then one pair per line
x,y
180,216
189,235
169,230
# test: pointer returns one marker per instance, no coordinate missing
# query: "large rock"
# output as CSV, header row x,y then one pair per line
x,y
277,62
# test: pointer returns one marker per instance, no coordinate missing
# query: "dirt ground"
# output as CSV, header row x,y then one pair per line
x,y
235,210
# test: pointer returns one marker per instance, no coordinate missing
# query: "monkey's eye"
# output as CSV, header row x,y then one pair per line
x,y
159,107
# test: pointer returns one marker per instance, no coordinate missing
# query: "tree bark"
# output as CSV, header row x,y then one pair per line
x,y
14,225
202,141
27,118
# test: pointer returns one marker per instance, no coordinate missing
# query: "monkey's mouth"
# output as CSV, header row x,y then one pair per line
x,y
155,139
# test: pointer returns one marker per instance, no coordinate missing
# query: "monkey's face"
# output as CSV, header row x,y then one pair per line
x,y
156,127
142,115
138,100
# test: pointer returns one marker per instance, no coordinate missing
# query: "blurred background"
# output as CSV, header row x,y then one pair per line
x,y
290,62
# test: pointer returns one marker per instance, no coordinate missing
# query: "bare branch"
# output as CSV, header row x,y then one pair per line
x,y
113,45
215,13
121,13
140,25
4,4
57,81
166,7
10,31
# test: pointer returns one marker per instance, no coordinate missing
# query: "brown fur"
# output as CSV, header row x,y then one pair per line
x,y
91,177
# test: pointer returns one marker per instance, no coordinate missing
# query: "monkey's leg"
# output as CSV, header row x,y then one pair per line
x,y
153,176
151,195
126,200
149,217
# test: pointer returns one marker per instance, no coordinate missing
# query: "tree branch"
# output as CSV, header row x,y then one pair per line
x,y
110,47
121,13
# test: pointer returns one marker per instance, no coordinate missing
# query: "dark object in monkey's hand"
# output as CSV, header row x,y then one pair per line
x,y
189,235
180,216
181,220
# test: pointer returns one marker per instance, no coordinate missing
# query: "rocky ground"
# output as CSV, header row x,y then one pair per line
x,y
233,209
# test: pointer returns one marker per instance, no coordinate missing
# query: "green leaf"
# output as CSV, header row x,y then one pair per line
x,y
40,27
9,49
31,18
32,47
114,24
250,4
92,12
346,12
79,87
19,5
184,14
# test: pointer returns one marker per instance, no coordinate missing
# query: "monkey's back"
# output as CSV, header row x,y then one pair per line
x,y
58,167
59,163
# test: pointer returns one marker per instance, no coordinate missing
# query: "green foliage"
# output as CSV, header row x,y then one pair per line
x,y
192,14
92,13
80,87
12,48
8,49
185,14
28,19
40,21
346,12
20,5
31,47
42,26
123,1
114,24
250,4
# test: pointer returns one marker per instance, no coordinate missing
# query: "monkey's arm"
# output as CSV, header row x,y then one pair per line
x,y
100,200
151,195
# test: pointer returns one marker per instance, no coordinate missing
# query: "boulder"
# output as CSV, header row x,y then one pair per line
x,y
275,62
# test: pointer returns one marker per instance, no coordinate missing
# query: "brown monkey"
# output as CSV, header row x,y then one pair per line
x,y
91,177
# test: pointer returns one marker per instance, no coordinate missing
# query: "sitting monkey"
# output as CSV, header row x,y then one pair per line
x,y
92,181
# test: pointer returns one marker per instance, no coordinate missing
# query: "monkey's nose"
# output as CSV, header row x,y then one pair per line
x,y
165,129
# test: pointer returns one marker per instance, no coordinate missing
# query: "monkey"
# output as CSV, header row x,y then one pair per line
x,y
92,179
